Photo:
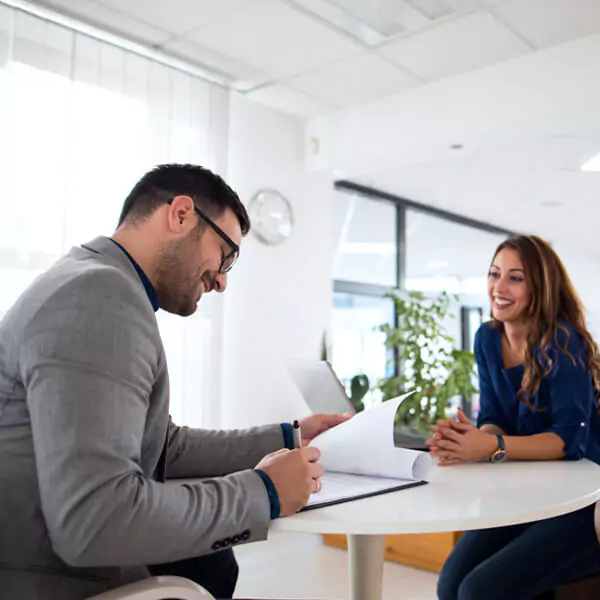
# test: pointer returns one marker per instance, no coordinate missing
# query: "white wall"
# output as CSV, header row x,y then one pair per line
x,y
279,297
584,270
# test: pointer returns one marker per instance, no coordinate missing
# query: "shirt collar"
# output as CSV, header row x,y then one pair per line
x,y
152,296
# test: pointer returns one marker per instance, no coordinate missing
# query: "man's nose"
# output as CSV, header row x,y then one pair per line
x,y
220,283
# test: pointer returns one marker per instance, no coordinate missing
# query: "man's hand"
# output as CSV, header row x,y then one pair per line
x,y
295,475
460,441
311,427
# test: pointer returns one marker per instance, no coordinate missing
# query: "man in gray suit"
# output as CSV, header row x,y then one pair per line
x,y
86,443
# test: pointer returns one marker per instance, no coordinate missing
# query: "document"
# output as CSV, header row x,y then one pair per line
x,y
360,458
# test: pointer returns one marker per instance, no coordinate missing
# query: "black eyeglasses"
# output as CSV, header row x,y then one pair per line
x,y
228,260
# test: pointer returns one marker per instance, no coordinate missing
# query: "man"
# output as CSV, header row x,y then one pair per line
x,y
86,442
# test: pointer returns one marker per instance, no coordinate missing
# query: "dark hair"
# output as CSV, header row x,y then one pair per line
x,y
553,299
207,189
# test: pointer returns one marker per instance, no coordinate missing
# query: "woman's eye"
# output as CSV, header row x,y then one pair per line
x,y
516,279
493,274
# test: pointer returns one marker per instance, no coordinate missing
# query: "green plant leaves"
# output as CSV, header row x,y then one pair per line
x,y
430,363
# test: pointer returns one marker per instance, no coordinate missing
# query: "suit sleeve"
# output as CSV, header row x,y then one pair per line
x,y
88,361
210,453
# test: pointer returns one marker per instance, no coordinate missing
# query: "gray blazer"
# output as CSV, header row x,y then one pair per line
x,y
86,442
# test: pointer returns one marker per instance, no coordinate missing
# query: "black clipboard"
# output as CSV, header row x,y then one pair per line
x,y
396,488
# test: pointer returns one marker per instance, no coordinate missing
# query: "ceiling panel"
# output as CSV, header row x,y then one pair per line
x,y
176,16
284,98
472,42
274,38
355,80
109,20
246,76
549,22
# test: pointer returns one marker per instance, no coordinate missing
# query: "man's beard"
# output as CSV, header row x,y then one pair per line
x,y
177,282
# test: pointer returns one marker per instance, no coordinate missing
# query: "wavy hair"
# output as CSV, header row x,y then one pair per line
x,y
553,299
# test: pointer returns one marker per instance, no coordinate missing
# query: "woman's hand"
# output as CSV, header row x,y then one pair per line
x,y
460,441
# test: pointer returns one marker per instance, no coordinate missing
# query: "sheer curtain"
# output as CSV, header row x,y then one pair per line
x,y
80,121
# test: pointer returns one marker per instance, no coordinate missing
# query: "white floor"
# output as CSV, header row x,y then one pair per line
x,y
301,566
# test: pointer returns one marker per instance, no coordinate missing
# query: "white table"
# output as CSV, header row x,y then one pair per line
x,y
458,498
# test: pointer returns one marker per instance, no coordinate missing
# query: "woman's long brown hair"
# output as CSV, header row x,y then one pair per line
x,y
553,299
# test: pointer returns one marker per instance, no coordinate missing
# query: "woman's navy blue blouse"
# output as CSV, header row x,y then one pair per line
x,y
565,404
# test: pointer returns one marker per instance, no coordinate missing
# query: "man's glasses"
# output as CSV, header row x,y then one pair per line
x,y
228,260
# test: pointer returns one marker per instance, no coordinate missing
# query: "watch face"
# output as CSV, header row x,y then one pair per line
x,y
271,216
498,456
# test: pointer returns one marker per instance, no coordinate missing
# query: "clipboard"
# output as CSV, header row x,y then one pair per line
x,y
357,487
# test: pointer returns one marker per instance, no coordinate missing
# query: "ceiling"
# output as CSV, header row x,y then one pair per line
x,y
310,57
390,88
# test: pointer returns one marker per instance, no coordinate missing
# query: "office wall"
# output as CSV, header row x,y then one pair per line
x,y
584,270
278,298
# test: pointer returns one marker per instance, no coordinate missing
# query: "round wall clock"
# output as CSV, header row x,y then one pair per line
x,y
271,216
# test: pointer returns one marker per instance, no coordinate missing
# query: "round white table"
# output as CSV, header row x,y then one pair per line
x,y
458,498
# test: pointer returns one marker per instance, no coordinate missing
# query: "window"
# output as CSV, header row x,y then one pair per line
x,y
386,242
445,255
365,235
357,345
81,121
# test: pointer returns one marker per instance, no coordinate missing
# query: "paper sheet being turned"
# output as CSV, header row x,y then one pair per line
x,y
364,445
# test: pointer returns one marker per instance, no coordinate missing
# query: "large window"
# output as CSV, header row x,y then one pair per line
x,y
358,347
386,242
443,255
365,233
81,120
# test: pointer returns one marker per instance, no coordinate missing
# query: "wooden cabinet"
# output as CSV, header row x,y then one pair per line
x,y
424,550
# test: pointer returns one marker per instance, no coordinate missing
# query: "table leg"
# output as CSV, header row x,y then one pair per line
x,y
366,554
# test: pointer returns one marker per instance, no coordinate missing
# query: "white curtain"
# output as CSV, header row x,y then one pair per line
x,y
80,122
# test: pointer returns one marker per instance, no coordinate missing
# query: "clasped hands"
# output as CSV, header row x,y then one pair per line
x,y
459,441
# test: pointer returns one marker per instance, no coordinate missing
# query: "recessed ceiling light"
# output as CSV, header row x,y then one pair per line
x,y
592,165
552,203
456,146
366,22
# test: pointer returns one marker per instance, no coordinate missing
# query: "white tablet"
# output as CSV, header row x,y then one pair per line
x,y
319,386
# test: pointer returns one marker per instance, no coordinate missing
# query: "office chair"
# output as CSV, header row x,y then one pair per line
x,y
157,588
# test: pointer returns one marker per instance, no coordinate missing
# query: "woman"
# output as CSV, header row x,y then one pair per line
x,y
539,369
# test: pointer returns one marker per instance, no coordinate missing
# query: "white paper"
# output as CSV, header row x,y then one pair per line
x,y
341,486
364,445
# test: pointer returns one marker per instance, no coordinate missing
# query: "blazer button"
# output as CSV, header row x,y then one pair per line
x,y
216,546
236,539
246,535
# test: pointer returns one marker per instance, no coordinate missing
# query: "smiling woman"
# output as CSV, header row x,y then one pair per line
x,y
539,376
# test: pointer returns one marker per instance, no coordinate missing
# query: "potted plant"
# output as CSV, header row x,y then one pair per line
x,y
428,363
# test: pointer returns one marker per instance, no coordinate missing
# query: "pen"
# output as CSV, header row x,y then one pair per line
x,y
297,436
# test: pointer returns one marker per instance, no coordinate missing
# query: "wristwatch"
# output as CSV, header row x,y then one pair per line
x,y
500,455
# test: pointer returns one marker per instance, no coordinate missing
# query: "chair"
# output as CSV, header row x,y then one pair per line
x,y
583,589
157,588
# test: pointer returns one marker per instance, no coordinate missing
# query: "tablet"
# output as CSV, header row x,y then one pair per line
x,y
319,386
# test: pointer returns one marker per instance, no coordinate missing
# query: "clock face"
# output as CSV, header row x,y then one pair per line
x,y
271,216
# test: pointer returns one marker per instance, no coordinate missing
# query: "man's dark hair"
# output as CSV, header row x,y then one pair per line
x,y
207,189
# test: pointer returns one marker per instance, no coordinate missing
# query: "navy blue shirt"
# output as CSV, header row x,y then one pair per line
x,y
565,404
286,428
150,291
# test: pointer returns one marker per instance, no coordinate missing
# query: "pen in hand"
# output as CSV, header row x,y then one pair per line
x,y
296,434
